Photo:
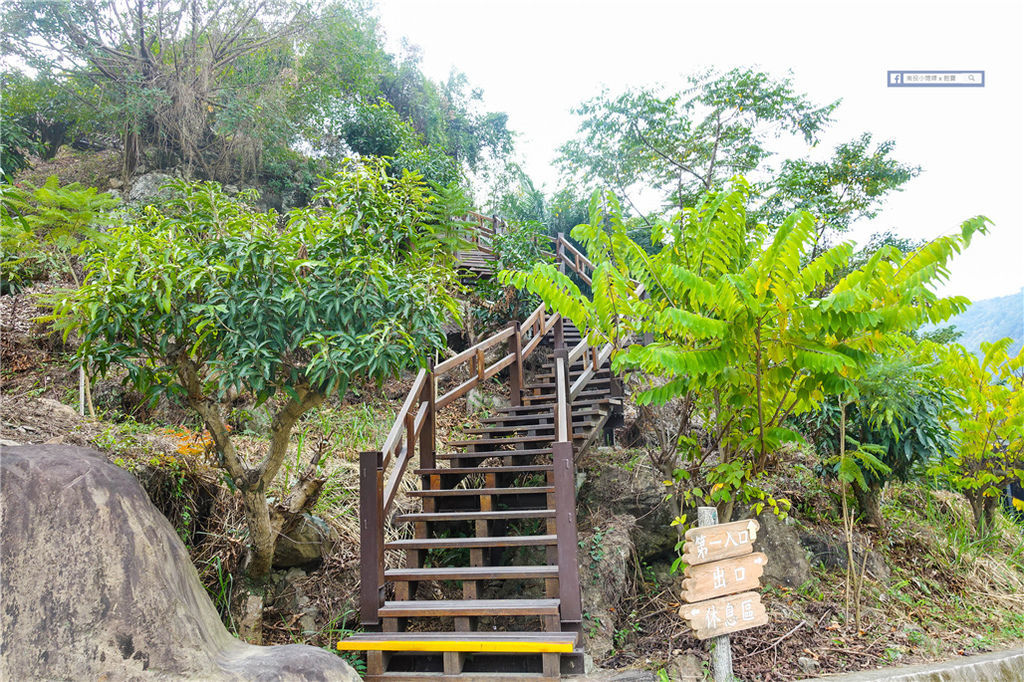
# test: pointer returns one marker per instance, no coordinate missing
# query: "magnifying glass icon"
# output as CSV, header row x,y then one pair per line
x,y
970,77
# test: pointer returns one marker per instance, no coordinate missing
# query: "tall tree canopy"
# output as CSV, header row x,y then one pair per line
x,y
687,143
227,87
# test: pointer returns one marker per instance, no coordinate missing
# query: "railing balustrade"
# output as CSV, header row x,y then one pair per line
x,y
413,431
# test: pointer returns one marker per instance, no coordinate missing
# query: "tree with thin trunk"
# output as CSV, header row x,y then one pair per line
x,y
204,296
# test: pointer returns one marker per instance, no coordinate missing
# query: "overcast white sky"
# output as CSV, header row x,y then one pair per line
x,y
537,59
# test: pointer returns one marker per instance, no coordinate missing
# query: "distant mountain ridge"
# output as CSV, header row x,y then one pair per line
x,y
990,320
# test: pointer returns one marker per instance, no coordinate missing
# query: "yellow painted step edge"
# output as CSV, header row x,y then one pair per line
x,y
460,645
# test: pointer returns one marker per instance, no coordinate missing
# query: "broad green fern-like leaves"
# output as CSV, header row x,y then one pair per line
x,y
744,322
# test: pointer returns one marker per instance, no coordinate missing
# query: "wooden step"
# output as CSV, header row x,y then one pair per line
x,y
473,543
519,409
583,398
456,492
472,573
500,515
511,429
529,468
497,441
478,642
543,428
577,415
492,453
469,607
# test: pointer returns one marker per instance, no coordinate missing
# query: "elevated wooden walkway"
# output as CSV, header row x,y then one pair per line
x,y
489,583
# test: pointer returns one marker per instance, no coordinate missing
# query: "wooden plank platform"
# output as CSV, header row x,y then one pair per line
x,y
461,492
499,515
498,441
524,469
493,453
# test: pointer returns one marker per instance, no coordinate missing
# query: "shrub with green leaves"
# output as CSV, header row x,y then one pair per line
x,y
897,407
988,420
743,339
42,227
203,294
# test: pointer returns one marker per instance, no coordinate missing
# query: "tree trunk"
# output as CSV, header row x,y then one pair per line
x,y
977,509
262,535
988,513
868,503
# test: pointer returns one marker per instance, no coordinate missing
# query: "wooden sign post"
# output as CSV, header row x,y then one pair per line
x,y
723,569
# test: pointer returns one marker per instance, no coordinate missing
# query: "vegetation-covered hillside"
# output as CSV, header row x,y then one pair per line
x,y
233,233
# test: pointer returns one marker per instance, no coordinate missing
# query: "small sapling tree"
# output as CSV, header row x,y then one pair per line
x,y
988,425
204,295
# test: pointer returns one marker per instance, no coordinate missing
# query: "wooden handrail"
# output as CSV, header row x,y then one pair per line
x,y
564,475
578,350
576,252
579,263
563,425
395,434
590,370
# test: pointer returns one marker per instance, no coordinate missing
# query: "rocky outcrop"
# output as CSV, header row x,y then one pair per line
x,y
97,585
305,542
639,493
148,187
605,560
788,561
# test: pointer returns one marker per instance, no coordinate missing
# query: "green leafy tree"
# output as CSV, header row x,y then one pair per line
x,y
202,82
517,198
840,190
988,425
203,295
741,336
895,409
689,142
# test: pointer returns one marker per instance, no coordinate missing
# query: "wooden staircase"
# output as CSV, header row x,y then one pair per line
x,y
479,259
488,586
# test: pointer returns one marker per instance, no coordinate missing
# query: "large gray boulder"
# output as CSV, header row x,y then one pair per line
x,y
96,584
788,561
149,187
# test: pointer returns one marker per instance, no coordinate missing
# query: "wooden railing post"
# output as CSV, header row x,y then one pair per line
x,y
570,599
515,370
560,252
616,391
560,333
428,434
563,377
371,537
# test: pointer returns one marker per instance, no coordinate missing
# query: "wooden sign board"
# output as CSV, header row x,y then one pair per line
x,y
723,616
708,581
722,541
